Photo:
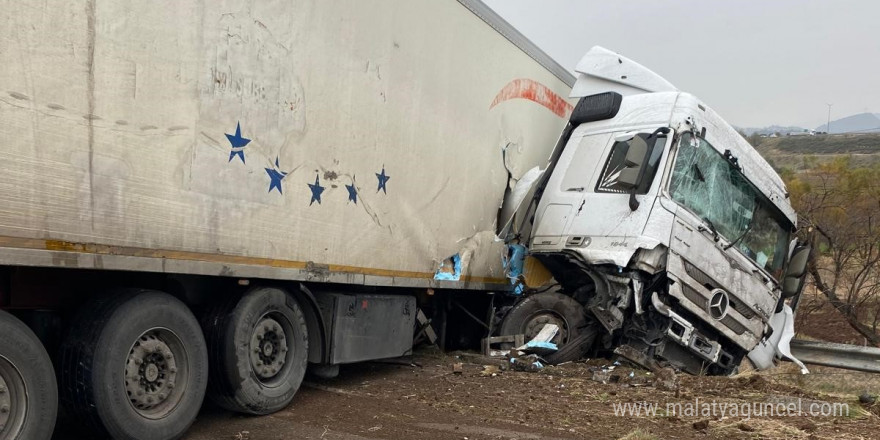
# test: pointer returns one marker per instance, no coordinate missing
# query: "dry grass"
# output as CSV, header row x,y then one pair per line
x,y
639,434
832,382
763,428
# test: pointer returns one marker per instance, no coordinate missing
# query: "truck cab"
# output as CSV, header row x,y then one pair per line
x,y
664,223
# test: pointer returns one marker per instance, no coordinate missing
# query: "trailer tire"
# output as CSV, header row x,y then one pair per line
x,y
258,351
134,366
28,391
532,312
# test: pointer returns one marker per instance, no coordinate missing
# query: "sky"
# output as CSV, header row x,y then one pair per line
x,y
756,62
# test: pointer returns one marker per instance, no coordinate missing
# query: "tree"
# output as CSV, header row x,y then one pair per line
x,y
839,208
755,139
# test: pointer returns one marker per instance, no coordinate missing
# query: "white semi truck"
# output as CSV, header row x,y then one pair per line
x,y
213,197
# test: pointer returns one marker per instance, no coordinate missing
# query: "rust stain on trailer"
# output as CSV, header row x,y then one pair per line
x,y
101,249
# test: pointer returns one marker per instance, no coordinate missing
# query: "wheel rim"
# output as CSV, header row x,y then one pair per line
x,y
13,400
270,349
534,325
156,373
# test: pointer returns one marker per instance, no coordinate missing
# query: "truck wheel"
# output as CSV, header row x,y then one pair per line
x,y
258,349
531,313
28,392
135,366
575,348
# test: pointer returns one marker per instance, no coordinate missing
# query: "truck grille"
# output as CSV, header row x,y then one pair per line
x,y
733,325
697,298
704,279
693,296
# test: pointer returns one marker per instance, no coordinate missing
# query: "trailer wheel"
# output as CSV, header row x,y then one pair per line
x,y
135,366
531,313
28,392
258,349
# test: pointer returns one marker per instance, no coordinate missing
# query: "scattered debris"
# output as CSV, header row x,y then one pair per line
x,y
702,425
243,435
457,368
867,399
541,344
743,426
666,379
637,357
603,376
527,363
806,425
516,340
490,370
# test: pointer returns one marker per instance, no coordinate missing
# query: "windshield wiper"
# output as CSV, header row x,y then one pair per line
x,y
748,227
710,229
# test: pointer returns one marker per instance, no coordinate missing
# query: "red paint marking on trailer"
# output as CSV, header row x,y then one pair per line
x,y
532,90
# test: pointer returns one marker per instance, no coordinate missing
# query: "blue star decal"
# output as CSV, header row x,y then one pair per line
x,y
275,176
238,143
352,192
317,189
383,179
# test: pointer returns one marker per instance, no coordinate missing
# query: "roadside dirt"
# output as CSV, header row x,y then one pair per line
x,y
429,401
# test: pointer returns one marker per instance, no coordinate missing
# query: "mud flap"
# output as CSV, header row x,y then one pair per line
x,y
777,345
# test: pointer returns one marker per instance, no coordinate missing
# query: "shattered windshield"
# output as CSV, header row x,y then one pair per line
x,y
707,184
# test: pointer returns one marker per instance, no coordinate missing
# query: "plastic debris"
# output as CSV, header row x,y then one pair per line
x,y
541,344
527,363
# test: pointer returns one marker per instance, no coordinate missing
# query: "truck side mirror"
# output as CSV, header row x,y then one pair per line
x,y
635,158
796,272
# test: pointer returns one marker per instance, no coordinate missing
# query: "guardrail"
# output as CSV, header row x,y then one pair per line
x,y
850,357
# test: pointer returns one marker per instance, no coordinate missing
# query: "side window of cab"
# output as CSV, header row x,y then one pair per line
x,y
620,162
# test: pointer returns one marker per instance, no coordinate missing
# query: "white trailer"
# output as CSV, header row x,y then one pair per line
x,y
162,157
354,142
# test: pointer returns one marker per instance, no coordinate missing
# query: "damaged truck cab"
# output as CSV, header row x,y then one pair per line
x,y
663,223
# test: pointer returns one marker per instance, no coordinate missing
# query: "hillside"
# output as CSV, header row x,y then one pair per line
x,y
791,151
863,122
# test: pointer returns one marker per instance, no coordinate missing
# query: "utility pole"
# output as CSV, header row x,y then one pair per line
x,y
828,125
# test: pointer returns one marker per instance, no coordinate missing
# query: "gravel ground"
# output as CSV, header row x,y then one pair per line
x,y
426,400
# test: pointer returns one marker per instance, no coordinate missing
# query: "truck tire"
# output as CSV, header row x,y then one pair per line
x,y
134,366
575,348
28,392
258,350
531,313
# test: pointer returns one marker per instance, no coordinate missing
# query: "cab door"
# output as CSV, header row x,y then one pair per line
x,y
609,210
